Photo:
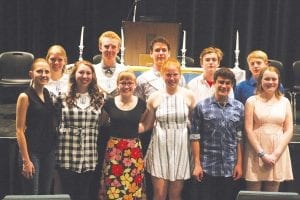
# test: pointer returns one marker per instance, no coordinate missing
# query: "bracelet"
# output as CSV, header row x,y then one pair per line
x,y
261,154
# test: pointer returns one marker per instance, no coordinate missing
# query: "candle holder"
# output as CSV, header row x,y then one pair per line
x,y
236,63
183,64
122,46
80,52
122,55
183,49
237,50
81,44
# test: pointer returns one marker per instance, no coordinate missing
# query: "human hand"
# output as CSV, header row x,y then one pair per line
x,y
237,172
269,160
274,157
198,173
28,169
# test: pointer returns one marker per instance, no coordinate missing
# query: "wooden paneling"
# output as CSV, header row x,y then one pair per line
x,y
138,35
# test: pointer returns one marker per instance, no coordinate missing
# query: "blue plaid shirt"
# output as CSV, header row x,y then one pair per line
x,y
219,130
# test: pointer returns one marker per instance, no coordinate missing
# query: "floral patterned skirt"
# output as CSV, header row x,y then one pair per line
x,y
123,170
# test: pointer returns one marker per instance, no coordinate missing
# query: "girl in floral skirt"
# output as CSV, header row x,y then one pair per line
x,y
123,169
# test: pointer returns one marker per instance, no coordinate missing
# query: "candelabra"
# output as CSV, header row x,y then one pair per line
x,y
183,49
237,51
80,52
122,46
236,63
183,64
122,55
81,44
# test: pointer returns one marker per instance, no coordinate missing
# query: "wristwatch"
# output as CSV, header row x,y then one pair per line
x,y
261,154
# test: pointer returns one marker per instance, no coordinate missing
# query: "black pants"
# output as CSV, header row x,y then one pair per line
x,y
214,188
101,145
77,185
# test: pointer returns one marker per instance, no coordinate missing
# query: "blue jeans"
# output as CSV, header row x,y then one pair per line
x,y
41,182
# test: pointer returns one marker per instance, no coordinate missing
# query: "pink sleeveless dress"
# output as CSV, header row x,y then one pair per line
x,y
268,128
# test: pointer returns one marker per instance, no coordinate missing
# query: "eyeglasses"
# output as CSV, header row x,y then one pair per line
x,y
124,83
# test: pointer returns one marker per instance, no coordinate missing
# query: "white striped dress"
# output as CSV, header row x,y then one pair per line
x,y
168,152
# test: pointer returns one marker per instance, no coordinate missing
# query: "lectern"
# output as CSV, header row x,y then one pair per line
x,y
138,35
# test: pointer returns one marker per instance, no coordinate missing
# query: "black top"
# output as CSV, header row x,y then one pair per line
x,y
40,122
124,124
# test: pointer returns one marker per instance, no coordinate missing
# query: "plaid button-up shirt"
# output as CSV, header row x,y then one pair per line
x,y
219,130
77,140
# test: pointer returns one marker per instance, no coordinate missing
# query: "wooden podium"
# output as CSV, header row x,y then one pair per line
x,y
138,35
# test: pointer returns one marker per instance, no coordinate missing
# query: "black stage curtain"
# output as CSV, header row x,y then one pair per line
x,y
270,25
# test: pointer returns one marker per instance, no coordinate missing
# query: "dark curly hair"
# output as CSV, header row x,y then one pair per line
x,y
97,96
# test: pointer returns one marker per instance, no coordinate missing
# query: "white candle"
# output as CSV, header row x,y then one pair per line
x,y
237,41
81,36
184,39
122,38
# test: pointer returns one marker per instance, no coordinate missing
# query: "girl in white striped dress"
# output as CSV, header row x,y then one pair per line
x,y
167,158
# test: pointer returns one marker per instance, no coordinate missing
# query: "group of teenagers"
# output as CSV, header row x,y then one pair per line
x,y
104,133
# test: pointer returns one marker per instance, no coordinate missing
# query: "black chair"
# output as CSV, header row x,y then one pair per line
x,y
256,195
296,85
189,62
97,59
14,68
278,64
287,91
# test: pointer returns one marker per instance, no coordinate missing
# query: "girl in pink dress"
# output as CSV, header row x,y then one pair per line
x,y
269,129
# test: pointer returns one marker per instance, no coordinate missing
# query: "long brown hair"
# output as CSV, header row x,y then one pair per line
x,y
97,96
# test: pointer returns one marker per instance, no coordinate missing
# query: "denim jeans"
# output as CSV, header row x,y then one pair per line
x,y
41,182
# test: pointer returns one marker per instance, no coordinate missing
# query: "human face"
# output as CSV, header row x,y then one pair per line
x,y
210,63
270,81
126,86
56,62
256,65
171,76
160,53
40,74
83,76
109,49
223,87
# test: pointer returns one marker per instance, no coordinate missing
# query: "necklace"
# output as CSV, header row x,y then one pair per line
x,y
127,105
83,100
222,104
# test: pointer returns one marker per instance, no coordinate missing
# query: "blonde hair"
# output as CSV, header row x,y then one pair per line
x,y
258,54
126,75
58,49
109,34
170,61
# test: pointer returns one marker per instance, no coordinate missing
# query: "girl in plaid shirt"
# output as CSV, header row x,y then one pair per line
x,y
77,141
